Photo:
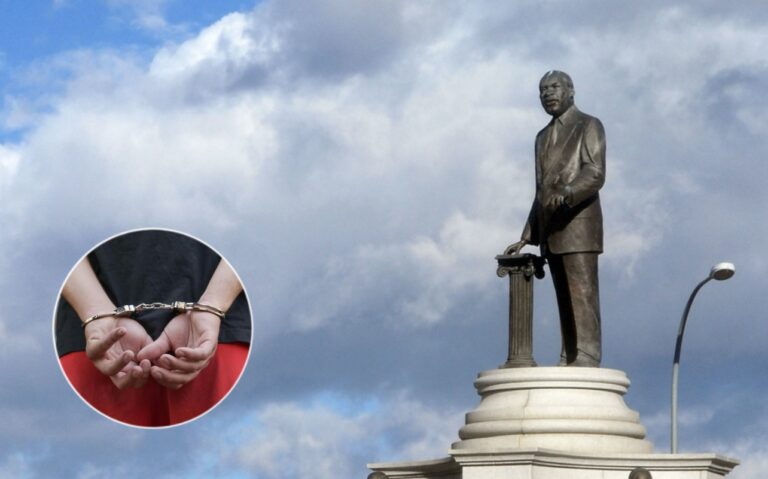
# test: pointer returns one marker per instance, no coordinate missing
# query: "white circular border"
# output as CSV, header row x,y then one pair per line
x,y
58,300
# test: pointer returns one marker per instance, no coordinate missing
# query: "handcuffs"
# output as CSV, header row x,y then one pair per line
x,y
176,306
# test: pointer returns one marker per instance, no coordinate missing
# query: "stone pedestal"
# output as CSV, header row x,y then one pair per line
x,y
564,408
521,269
554,423
550,464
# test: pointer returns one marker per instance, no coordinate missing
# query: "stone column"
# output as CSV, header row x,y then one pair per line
x,y
521,269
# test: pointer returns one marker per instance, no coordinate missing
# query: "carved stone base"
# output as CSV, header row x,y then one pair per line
x,y
549,464
564,408
554,423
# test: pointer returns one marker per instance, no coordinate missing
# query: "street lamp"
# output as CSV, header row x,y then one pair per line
x,y
720,272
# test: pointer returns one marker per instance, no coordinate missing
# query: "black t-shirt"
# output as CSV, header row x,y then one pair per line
x,y
152,266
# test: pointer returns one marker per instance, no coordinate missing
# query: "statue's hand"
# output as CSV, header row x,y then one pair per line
x,y
515,248
562,199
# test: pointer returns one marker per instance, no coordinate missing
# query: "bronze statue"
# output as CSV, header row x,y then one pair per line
x,y
566,220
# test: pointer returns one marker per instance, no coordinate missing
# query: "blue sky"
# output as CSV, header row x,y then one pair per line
x,y
36,33
360,164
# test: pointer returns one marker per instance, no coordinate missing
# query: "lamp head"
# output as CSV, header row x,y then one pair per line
x,y
722,271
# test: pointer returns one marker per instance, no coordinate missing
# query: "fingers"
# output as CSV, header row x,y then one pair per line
x,y
174,372
125,378
558,201
172,363
155,349
172,379
111,367
198,336
201,352
140,374
132,375
145,366
515,248
97,347
118,365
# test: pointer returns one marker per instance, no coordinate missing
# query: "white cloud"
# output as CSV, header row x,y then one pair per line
x,y
9,164
425,277
218,57
635,219
12,343
688,417
89,471
248,155
16,465
751,448
322,441
436,147
753,455
367,161
147,15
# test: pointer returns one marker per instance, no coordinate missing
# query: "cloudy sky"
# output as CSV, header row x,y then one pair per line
x,y
360,164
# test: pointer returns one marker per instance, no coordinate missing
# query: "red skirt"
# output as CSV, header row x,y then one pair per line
x,y
153,405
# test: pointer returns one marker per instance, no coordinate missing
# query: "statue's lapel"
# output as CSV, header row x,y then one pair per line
x,y
567,142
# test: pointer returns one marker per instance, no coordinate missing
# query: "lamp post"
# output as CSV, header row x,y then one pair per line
x,y
720,272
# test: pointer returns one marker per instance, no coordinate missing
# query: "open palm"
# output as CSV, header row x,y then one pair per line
x,y
112,344
184,349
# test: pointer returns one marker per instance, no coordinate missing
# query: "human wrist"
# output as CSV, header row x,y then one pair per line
x,y
114,313
90,310
91,306
103,325
212,301
204,307
223,288
206,317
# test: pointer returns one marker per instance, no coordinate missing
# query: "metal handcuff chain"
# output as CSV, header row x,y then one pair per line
x,y
177,306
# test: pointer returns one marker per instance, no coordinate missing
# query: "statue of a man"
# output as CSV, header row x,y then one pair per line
x,y
566,220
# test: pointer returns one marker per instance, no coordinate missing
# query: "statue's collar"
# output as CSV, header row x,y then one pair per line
x,y
567,116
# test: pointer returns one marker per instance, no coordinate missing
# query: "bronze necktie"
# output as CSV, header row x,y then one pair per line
x,y
553,132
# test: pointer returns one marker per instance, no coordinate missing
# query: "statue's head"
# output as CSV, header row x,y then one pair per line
x,y
640,473
556,92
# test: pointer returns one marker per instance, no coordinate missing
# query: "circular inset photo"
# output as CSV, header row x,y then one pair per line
x,y
152,328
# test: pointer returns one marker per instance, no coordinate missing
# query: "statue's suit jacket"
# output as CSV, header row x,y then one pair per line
x,y
576,159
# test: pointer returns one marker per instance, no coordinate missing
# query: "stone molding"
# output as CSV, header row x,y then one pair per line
x,y
549,464
569,409
554,423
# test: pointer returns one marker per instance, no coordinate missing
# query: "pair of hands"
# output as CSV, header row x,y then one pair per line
x,y
121,349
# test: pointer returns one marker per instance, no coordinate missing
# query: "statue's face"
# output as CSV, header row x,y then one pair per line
x,y
555,94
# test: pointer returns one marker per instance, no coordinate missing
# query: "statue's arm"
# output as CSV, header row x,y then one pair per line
x,y
530,226
528,233
591,175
